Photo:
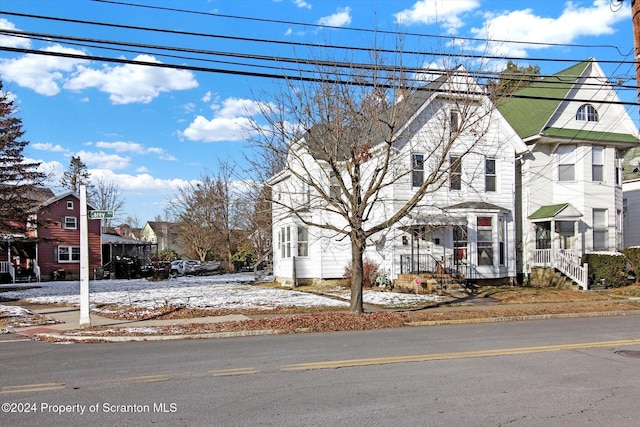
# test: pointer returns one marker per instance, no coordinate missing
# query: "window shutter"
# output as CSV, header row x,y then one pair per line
x,y
55,254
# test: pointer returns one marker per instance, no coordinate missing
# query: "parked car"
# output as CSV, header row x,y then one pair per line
x,y
192,267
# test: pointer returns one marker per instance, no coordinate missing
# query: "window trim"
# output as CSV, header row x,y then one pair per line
x,y
73,254
303,242
486,244
601,229
285,249
566,157
490,177
587,113
66,223
455,171
70,204
417,169
597,166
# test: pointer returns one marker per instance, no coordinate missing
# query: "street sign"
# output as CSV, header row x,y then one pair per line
x,y
100,214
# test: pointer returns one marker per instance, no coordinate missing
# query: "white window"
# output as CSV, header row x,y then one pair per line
x,y
417,164
285,242
335,191
68,254
597,163
489,175
454,121
455,172
303,242
567,163
70,223
70,204
587,113
619,234
618,166
485,240
600,225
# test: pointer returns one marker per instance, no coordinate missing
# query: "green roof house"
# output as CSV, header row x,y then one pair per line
x,y
570,182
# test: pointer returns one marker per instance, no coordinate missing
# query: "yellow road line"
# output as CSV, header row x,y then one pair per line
x,y
31,388
333,364
142,379
235,371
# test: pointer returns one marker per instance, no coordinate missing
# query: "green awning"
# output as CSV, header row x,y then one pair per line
x,y
561,211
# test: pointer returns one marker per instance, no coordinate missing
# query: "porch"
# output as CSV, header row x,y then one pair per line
x,y
565,261
19,261
558,236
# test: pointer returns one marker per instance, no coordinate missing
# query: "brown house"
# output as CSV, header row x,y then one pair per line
x,y
58,236
50,247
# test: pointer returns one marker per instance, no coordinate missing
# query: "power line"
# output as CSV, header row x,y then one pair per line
x,y
357,82
306,45
98,43
367,30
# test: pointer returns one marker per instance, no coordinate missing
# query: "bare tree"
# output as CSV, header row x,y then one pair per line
x,y
209,216
341,133
18,179
106,195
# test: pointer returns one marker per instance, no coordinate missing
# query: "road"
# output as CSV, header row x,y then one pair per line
x,y
530,373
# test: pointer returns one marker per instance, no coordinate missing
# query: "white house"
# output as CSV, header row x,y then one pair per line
x,y
465,224
570,181
631,197
536,181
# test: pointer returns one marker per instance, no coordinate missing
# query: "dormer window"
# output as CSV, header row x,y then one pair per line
x,y
587,113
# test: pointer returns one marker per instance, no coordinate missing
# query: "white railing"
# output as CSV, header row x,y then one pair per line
x,y
7,267
567,262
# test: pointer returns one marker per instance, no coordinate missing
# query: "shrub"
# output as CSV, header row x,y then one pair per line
x,y
370,271
633,259
607,268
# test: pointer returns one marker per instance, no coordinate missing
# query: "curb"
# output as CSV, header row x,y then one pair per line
x,y
138,338
264,332
527,317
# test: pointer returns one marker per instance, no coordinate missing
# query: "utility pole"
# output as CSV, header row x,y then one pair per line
x,y
635,19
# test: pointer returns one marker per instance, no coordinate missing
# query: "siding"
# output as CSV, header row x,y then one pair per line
x,y
51,235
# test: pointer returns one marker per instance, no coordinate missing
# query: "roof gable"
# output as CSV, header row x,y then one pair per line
x,y
531,110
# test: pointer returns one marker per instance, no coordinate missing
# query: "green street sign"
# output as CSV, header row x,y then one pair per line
x,y
100,214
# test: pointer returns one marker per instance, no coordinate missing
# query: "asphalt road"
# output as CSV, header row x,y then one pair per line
x,y
538,373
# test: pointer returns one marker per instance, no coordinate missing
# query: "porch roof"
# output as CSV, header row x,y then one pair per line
x,y
561,211
478,206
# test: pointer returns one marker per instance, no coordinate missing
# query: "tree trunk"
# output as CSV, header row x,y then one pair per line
x,y
357,278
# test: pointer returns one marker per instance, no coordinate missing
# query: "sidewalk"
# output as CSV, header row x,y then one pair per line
x,y
69,318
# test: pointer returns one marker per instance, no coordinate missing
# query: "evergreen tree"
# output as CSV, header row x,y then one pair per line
x,y
76,176
514,77
18,179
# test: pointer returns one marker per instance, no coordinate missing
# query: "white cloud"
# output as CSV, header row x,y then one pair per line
x,y
41,73
131,83
103,160
524,25
12,41
133,147
207,96
231,122
302,3
139,182
47,146
445,12
340,18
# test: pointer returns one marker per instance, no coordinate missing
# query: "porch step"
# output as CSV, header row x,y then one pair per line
x,y
427,283
550,278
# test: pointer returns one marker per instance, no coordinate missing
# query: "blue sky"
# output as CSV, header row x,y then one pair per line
x,y
151,130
